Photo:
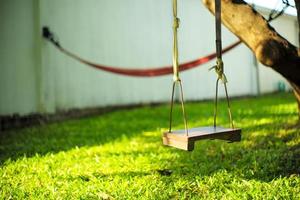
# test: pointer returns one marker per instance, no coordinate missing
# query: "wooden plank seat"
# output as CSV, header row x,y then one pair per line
x,y
179,139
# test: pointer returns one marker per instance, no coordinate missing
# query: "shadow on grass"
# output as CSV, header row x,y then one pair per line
x,y
265,159
262,157
257,157
67,135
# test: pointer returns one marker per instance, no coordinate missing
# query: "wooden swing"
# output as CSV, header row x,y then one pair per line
x,y
185,139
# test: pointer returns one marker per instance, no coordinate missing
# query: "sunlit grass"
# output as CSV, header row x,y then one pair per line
x,y
119,155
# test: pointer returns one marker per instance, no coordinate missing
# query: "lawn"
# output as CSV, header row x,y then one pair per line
x,y
119,155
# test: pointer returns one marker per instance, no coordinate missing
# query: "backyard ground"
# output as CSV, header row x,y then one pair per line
x,y
119,155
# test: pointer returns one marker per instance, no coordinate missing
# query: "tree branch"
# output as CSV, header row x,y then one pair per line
x,y
297,3
270,48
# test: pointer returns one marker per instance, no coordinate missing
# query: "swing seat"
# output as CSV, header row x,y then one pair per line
x,y
180,140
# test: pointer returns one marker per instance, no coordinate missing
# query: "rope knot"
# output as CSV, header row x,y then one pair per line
x,y
176,22
50,36
219,69
176,78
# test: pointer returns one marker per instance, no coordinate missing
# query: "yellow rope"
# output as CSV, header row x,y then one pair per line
x,y
175,42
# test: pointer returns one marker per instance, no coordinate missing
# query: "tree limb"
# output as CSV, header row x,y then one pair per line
x,y
270,48
297,3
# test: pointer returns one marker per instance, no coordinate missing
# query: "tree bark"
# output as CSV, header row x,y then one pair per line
x,y
297,3
270,48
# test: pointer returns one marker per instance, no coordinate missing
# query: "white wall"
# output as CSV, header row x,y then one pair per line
x,y
131,33
18,57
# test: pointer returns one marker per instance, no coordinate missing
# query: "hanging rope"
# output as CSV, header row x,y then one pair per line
x,y
176,21
151,72
219,67
176,78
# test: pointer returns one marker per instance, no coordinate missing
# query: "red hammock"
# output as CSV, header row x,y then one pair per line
x,y
138,72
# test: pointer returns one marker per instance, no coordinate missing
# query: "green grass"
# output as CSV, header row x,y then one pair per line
x,y
119,156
